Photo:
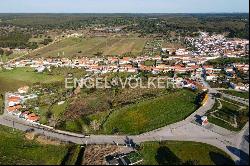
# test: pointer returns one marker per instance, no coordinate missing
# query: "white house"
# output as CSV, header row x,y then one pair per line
x,y
40,69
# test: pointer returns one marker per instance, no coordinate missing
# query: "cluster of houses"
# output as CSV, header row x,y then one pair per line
x,y
213,74
113,64
15,104
107,29
205,48
217,45
182,64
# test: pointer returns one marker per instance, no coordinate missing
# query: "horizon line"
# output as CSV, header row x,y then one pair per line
x,y
124,13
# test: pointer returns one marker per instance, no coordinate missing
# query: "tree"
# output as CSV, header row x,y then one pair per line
x,y
46,41
32,45
15,39
1,51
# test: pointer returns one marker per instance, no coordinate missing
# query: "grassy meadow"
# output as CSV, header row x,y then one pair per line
x,y
152,114
186,153
14,149
11,80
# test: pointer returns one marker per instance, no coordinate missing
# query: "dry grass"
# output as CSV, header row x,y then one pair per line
x,y
47,141
30,135
95,154
81,47
41,139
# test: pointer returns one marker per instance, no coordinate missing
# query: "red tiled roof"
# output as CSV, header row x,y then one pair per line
x,y
33,117
14,108
13,99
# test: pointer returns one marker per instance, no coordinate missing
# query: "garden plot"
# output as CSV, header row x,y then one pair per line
x,y
229,115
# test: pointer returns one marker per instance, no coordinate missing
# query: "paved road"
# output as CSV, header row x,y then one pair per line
x,y
231,97
238,99
182,131
24,126
243,148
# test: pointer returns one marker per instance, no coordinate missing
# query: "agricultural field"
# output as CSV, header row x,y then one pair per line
x,y
244,95
183,153
14,148
153,47
228,114
92,108
79,47
126,45
173,45
151,114
11,80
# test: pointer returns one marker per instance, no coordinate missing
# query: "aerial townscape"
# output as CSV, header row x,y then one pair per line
x,y
124,88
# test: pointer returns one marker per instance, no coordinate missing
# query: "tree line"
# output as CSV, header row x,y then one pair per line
x,y
15,40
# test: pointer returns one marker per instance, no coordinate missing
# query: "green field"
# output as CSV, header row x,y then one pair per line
x,y
79,47
58,110
11,80
82,125
149,63
152,114
15,150
1,105
186,153
244,95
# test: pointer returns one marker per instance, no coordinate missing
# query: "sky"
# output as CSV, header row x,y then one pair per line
x,y
124,6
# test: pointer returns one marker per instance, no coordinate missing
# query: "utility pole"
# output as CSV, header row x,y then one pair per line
x,y
13,126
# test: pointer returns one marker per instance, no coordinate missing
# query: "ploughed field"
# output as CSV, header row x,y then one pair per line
x,y
90,47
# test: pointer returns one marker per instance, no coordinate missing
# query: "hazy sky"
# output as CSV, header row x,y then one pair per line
x,y
123,6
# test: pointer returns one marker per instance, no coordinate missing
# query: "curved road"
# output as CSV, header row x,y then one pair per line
x,y
186,130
